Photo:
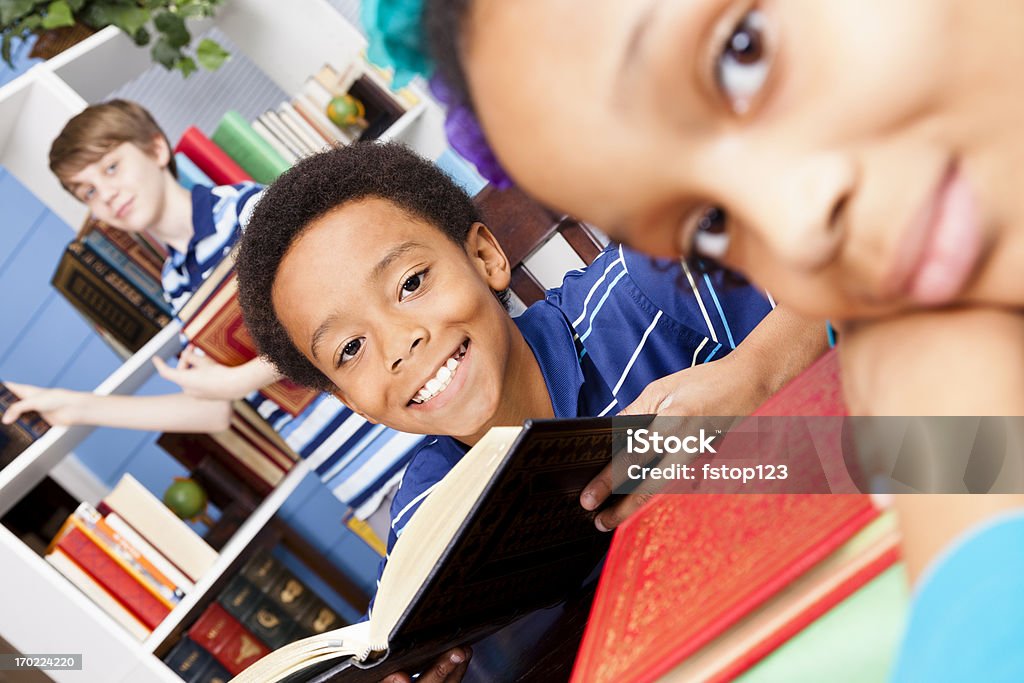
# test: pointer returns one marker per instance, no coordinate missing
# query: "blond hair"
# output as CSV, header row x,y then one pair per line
x,y
99,129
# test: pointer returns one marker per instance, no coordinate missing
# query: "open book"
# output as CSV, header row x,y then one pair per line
x,y
501,535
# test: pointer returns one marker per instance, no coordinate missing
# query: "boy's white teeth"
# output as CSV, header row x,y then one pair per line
x,y
440,381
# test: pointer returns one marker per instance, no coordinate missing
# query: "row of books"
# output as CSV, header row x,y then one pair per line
x,y
131,555
113,279
263,608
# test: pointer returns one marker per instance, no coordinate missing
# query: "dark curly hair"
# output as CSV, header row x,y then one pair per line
x,y
311,189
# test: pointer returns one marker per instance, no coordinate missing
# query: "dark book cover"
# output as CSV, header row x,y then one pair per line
x,y
188,660
16,437
526,544
102,299
263,570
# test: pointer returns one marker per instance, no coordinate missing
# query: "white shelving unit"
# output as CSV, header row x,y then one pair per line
x,y
41,611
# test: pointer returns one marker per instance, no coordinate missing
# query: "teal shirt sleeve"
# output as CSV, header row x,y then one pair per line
x,y
967,619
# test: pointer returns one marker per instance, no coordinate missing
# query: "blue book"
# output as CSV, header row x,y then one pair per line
x,y
190,175
128,269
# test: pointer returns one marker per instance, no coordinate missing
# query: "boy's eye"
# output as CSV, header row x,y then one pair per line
x,y
711,235
411,284
88,194
742,64
111,168
349,351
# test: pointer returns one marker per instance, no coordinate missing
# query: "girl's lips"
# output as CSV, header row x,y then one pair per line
x,y
942,249
458,380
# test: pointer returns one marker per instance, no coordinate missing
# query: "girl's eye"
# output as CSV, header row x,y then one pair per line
x,y
711,235
349,351
112,168
88,194
742,65
412,284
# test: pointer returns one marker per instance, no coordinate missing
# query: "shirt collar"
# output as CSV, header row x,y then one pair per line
x,y
552,341
202,222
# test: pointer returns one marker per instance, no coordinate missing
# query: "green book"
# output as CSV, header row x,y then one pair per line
x,y
236,137
854,642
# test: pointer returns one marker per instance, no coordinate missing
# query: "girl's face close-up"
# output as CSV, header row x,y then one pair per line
x,y
854,157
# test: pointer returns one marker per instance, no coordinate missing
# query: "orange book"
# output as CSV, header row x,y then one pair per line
x,y
217,328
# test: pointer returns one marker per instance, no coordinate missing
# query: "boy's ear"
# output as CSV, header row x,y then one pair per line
x,y
160,150
488,256
338,395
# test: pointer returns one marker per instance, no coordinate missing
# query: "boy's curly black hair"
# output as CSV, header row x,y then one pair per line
x,y
312,188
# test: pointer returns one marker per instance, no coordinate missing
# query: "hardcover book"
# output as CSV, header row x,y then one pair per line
x,y
193,664
217,328
236,137
502,534
16,437
106,299
687,568
210,158
228,641
152,520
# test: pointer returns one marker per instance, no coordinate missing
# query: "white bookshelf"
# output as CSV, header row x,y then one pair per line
x,y
43,612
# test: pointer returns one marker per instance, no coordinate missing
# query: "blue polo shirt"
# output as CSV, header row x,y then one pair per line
x,y
359,462
603,336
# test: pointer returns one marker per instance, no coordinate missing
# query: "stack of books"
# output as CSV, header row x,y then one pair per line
x,y
132,556
113,279
16,437
263,608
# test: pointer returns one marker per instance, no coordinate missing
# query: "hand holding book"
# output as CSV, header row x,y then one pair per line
x,y
201,376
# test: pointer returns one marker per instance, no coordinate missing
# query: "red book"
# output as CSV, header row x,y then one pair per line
x,y
210,158
113,578
686,568
817,391
228,641
218,329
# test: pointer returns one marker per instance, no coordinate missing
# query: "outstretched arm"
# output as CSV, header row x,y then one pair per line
x,y
167,413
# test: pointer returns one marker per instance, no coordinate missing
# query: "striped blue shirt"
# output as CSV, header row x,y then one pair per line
x,y
359,462
603,336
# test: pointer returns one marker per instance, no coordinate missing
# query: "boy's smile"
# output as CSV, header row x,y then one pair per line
x,y
405,322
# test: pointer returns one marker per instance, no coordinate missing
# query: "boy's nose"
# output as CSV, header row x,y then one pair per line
x,y
402,352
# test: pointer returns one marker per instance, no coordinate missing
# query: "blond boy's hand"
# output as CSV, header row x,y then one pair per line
x,y
202,377
57,406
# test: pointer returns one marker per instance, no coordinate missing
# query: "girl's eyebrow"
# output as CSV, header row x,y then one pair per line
x,y
635,45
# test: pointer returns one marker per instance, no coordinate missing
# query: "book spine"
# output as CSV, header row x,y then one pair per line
x,y
272,121
315,118
108,573
190,175
264,132
226,639
119,527
190,449
97,593
89,521
99,302
130,293
210,158
128,269
188,660
135,249
236,137
299,127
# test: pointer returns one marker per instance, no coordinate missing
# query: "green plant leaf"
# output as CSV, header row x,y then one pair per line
x,y
210,55
141,37
58,14
14,9
165,54
76,5
5,49
173,28
186,65
126,17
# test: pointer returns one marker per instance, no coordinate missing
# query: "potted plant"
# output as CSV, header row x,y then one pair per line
x,y
61,23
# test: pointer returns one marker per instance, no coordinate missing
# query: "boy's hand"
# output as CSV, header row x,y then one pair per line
x,y
202,377
450,667
57,406
778,349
